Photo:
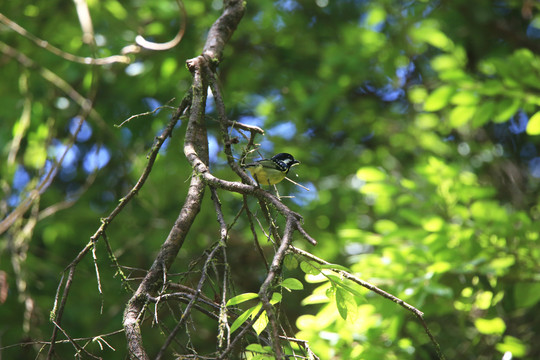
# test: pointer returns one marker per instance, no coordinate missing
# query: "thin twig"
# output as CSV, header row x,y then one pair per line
x,y
149,45
187,310
56,51
166,106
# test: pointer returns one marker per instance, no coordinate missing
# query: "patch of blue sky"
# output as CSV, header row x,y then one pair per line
x,y
71,157
46,169
20,178
210,105
267,148
386,93
126,135
67,174
285,130
287,5
152,104
13,200
96,158
254,99
533,30
518,123
279,23
213,149
135,69
534,167
251,120
403,72
84,133
303,197
165,146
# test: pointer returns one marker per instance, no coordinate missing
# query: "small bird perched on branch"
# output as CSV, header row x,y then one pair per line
x,y
272,171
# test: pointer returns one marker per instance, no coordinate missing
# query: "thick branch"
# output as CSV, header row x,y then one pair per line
x,y
196,141
222,30
265,287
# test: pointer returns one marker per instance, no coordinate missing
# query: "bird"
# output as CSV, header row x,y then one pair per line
x,y
272,171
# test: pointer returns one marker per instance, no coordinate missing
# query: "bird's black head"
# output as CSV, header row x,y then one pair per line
x,y
284,160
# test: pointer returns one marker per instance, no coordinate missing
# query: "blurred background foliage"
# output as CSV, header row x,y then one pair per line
x,y
416,124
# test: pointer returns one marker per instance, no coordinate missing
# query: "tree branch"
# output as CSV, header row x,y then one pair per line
x,y
196,151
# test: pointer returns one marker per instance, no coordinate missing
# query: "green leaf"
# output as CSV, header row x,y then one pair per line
x,y
385,226
464,98
261,323
345,303
495,326
433,224
375,15
512,345
168,67
445,62
345,285
417,94
506,109
533,127
483,113
439,98
255,347
439,267
292,284
460,115
262,352
526,294
241,319
116,9
276,297
309,268
290,262
371,174
241,298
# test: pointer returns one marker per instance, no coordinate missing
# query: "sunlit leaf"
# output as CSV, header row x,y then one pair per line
x,y
385,226
241,298
276,297
241,320
464,98
116,9
371,174
512,345
375,15
433,223
439,98
495,326
533,127
345,303
261,323
292,284
460,115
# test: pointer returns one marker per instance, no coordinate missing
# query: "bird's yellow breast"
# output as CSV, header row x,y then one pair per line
x,y
266,176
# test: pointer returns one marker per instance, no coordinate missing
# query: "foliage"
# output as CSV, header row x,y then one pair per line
x,y
416,124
